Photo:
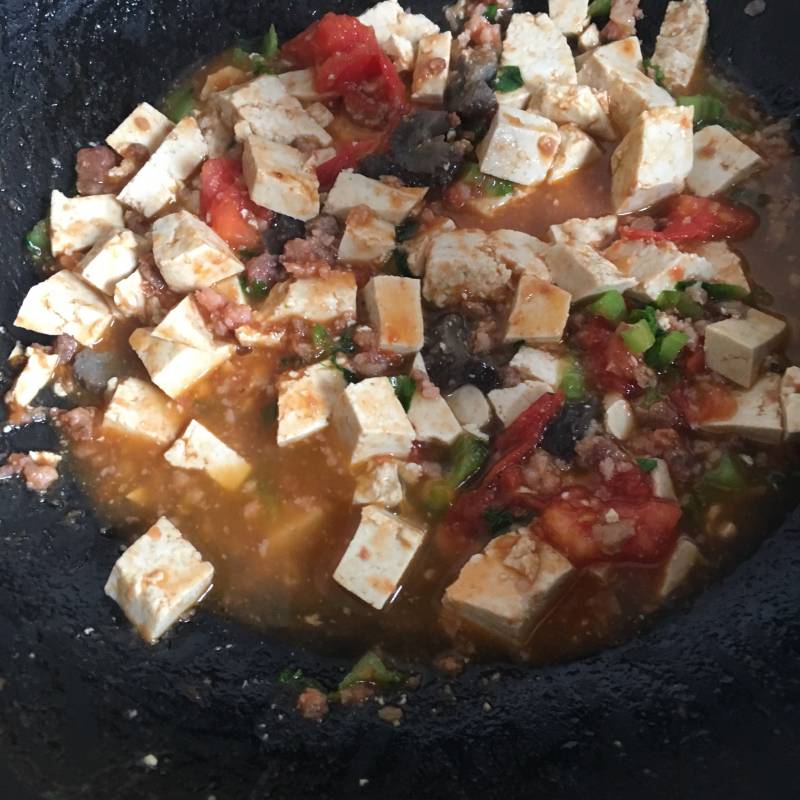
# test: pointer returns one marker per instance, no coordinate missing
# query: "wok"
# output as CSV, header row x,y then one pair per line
x,y
704,704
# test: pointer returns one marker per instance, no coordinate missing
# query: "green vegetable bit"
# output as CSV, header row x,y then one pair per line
x,y
666,349
398,263
711,110
269,44
297,679
469,455
255,290
437,494
647,464
654,71
572,381
638,337
681,302
491,12
406,230
371,669
241,58
494,187
725,291
179,103
37,240
345,343
648,315
347,374
322,340
404,387
727,476
610,306
500,520
507,79
599,8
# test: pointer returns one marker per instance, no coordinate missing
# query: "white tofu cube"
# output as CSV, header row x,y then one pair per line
x,y
109,261
145,126
598,232
575,151
583,272
322,299
198,449
622,54
589,38
516,98
736,348
720,161
401,51
540,50
378,556
726,266
432,418
507,588
367,238
77,223
508,404
522,253
174,367
576,104
683,561
217,134
231,289
540,365
322,116
280,178
36,374
653,160
130,298
470,406
306,401
681,42
539,312
398,32
184,324
758,415
618,419
158,579
299,83
391,203
263,91
790,402
383,18
418,247
157,183
65,304
138,409
569,16
379,484
431,68
662,481
371,422
394,309
520,146
189,254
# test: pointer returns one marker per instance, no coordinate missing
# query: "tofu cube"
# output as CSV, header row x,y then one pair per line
x,y
157,183
431,68
322,299
505,590
130,299
575,104
418,248
306,401
158,579
262,92
726,266
367,238
681,42
394,308
189,254
140,410
36,374
520,252
470,406
391,203
65,304
758,415
299,83
683,561
379,484
540,365
77,223
575,151
580,270
398,32
516,98
432,418
145,126
520,146
198,449
378,556
790,402
280,178
322,116
618,418
174,367
569,16
109,261
509,403
371,422
534,43
720,162
539,312
736,348
589,38
184,324
662,481
231,289
598,232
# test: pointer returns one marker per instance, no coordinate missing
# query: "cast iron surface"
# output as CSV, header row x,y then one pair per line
x,y
703,705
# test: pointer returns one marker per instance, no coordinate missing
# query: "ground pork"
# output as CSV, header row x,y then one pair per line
x,y
65,347
38,470
313,704
79,423
222,316
92,167
622,20
316,254
265,268
543,474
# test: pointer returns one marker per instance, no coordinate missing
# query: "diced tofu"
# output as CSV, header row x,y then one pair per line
x,y
129,296
394,308
572,103
575,151
540,50
790,402
589,38
378,556
726,266
65,304
231,289
736,348
508,587
656,266
305,402
618,418
109,261
371,422
189,254
598,232
262,92
431,68
391,203
653,160
158,579
157,183
522,253
299,83
508,404
397,32
223,78
323,116
539,312
533,363
138,409
583,272
145,126
36,374
432,418
758,414
281,178
662,481
569,16
184,324
80,222
516,98
680,43
520,146
217,134
174,367
470,406
418,248
623,54
367,238
321,299
199,449
720,161
685,559
401,51
379,484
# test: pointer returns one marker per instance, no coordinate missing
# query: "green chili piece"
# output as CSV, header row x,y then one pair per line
x,y
507,79
404,387
37,240
638,337
610,306
179,103
666,349
370,668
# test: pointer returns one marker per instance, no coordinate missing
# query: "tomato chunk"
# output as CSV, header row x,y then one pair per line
x,y
334,33
609,364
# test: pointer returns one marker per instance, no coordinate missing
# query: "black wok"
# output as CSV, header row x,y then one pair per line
x,y
703,705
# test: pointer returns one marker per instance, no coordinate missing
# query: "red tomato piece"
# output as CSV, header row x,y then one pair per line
x,y
347,156
359,65
702,400
334,33
608,362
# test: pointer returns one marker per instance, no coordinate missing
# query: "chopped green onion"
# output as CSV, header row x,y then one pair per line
x,y
711,110
245,253
469,455
347,374
437,494
179,103
572,381
269,45
681,302
727,476
494,187
297,679
322,340
501,519
648,315
654,71
725,291
406,230
599,8
666,349
255,290
491,12
269,413
37,240
507,79
241,58
610,306
647,464
638,337
370,668
404,387
345,343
